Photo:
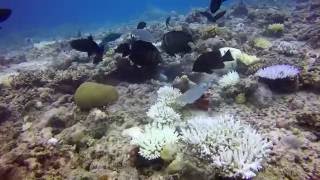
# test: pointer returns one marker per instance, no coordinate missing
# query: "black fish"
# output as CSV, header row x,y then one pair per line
x,y
168,21
5,14
211,60
175,42
90,46
144,54
215,5
124,49
212,18
141,53
141,25
218,16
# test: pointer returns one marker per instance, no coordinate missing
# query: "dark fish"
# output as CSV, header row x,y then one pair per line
x,y
111,37
5,14
215,5
168,21
124,49
211,60
144,54
90,46
227,56
141,25
208,15
175,42
218,16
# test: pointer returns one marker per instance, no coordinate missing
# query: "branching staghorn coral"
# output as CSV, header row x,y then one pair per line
x,y
161,131
153,139
160,113
230,79
228,146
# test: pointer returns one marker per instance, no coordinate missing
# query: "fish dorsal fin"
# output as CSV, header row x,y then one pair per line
x,y
90,38
227,56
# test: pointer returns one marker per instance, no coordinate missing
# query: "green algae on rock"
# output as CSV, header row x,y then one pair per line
x,y
91,94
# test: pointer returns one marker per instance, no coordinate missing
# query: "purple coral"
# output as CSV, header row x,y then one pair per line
x,y
278,72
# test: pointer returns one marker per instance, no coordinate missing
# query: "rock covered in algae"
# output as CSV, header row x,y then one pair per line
x,y
91,94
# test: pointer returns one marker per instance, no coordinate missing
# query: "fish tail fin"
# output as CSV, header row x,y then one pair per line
x,y
227,56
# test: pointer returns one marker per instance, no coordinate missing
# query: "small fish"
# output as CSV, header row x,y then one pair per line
x,y
89,46
5,14
215,5
211,60
168,21
141,25
175,42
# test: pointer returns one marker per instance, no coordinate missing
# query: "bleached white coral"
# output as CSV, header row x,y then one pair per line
x,y
235,149
160,113
168,95
287,48
154,139
278,72
230,79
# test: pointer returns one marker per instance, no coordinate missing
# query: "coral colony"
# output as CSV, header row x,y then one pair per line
x,y
278,72
231,148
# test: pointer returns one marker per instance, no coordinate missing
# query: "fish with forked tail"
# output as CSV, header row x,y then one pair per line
x,y
89,46
213,8
211,60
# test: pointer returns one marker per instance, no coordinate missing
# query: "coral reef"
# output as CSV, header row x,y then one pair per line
x,y
147,133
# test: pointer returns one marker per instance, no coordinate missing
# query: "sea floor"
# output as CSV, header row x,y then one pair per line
x,y
44,135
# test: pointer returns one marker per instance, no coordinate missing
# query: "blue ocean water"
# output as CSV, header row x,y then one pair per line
x,y
45,18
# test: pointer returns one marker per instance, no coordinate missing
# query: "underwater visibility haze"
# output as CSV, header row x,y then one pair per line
x,y
160,89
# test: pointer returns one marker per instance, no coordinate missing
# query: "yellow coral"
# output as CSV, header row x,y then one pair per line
x,y
247,59
211,31
6,81
276,28
262,43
